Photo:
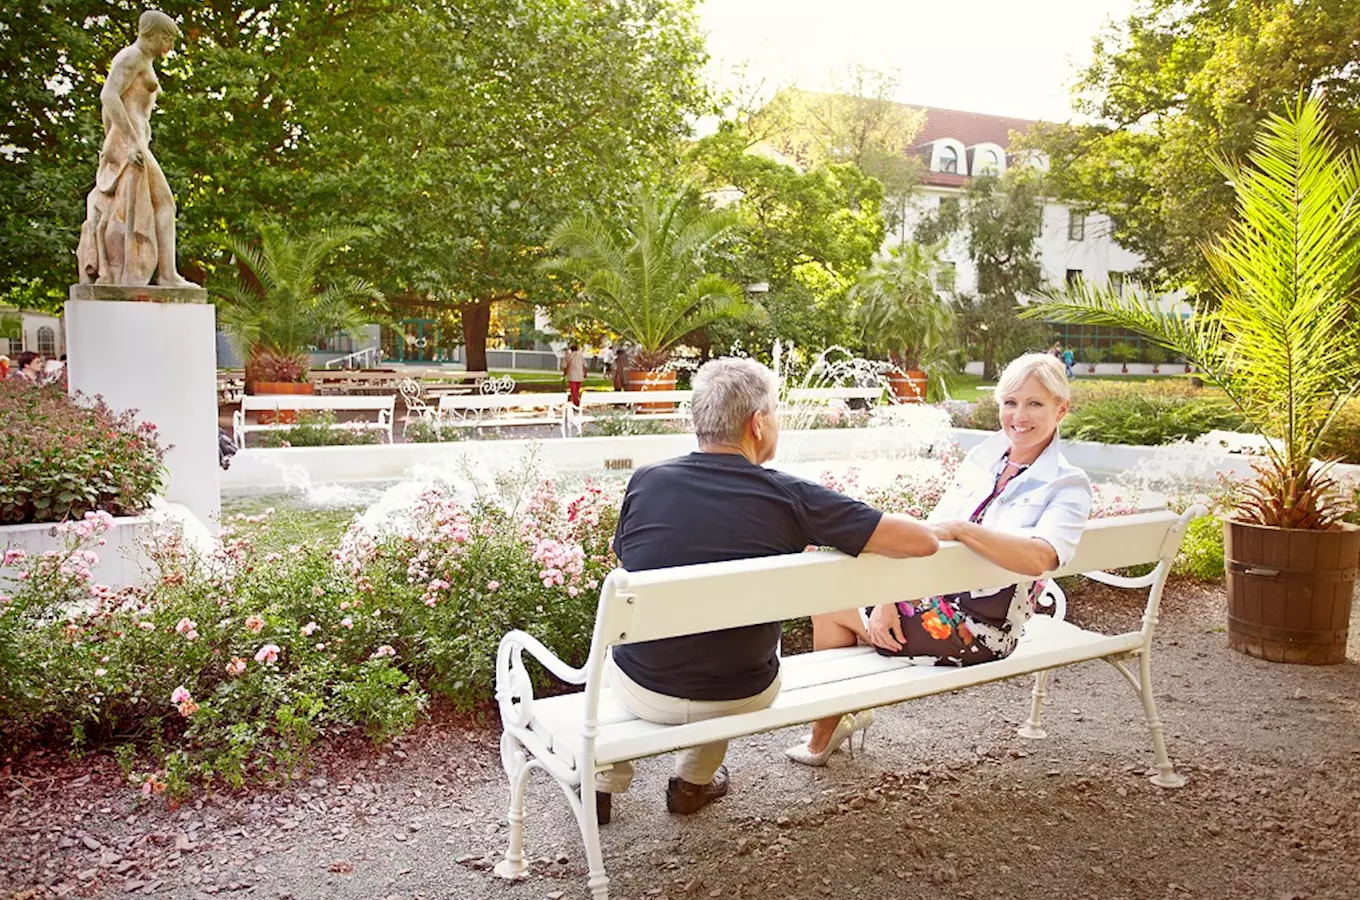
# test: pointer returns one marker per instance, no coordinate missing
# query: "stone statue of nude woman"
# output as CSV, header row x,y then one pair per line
x,y
129,230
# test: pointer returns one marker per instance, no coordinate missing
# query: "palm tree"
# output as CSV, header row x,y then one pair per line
x,y
901,312
277,309
645,279
1283,342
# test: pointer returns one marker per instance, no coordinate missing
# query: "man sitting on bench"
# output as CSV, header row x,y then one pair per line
x,y
719,504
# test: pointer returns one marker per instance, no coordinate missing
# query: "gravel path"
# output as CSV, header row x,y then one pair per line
x,y
946,802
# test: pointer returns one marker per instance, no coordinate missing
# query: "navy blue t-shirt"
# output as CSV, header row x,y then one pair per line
x,y
713,507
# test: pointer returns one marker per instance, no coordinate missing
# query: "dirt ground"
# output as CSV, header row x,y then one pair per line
x,y
946,802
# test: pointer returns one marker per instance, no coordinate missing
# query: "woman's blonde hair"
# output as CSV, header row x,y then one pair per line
x,y
1048,369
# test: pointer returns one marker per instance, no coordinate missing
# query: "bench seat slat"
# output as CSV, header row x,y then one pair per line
x,y
815,684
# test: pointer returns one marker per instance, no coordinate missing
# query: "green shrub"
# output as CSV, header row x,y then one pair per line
x,y
985,415
431,431
1146,413
626,423
1342,440
62,457
1123,352
1153,353
316,428
1201,556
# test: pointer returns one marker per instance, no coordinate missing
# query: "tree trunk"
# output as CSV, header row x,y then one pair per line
x,y
988,362
476,322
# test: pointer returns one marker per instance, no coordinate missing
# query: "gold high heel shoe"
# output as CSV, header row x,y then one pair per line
x,y
845,731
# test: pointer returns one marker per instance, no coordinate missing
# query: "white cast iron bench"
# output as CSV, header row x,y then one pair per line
x,y
574,736
256,403
496,410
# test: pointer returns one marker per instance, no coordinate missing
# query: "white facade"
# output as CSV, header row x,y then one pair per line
x,y
39,332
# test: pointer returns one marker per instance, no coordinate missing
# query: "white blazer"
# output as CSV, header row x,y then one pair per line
x,y
1050,500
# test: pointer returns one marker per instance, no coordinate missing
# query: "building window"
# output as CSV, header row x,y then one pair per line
x,y
16,346
949,159
1076,225
1073,277
990,162
945,276
47,341
1119,283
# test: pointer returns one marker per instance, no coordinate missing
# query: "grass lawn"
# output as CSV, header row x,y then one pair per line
x,y
970,387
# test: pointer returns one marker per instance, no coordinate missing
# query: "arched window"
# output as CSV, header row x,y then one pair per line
x,y
949,159
47,341
990,161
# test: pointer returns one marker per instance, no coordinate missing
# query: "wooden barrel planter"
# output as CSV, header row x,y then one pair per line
x,y
908,386
282,416
1289,591
652,381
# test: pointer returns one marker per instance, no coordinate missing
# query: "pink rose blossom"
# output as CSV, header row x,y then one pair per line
x,y
100,673
180,694
184,626
493,585
146,626
346,622
267,654
384,650
254,624
237,666
309,628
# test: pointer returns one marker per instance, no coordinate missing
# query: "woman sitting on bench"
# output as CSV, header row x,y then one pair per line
x,y
1016,502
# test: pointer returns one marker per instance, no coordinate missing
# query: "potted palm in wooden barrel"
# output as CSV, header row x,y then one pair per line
x,y
1282,342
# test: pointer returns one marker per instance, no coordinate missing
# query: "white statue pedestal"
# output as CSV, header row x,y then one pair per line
x,y
154,350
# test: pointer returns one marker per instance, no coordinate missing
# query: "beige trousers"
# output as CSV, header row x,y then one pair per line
x,y
697,765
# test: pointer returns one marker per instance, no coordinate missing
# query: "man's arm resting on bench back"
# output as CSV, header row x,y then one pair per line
x,y
899,537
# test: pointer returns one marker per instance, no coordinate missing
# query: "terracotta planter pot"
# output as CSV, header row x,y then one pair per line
x,y
652,381
909,386
283,416
1289,591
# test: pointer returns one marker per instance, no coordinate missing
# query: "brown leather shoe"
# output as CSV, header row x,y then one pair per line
x,y
684,798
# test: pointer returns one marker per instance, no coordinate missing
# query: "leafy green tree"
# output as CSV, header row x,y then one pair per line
x,y
1179,84
807,235
278,307
459,132
858,122
1001,217
1282,342
902,314
645,279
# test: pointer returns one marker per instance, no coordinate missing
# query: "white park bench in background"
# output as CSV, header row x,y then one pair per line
x,y
497,410
574,736
257,403
829,394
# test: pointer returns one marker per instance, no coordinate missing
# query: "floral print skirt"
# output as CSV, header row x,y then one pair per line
x,y
961,629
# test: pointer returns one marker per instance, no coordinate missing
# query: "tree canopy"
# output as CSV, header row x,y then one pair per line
x,y
459,133
1179,84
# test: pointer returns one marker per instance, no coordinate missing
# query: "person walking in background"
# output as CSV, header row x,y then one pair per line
x,y
621,368
607,359
574,368
1069,358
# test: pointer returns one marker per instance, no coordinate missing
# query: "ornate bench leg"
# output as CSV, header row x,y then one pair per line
x,y
598,881
1033,729
517,771
1166,772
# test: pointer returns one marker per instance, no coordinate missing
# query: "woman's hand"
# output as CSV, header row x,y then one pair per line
x,y
885,627
946,531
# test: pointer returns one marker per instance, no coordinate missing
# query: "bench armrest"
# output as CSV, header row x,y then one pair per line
x,y
514,687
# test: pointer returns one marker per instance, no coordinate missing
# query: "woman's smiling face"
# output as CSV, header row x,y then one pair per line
x,y
1030,417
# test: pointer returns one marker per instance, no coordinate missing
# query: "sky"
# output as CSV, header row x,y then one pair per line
x,y
1005,57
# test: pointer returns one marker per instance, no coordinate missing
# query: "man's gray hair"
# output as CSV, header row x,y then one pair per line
x,y
726,392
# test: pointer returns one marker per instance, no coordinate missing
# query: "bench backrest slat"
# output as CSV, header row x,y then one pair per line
x,y
613,398
500,401
640,606
837,393
257,402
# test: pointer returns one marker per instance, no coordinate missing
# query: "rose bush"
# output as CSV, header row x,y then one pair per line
x,y
62,457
